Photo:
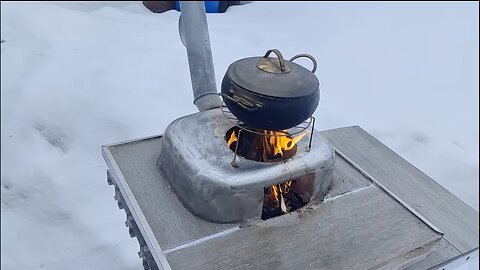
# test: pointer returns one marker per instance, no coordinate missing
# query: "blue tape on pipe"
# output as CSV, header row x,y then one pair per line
x,y
210,6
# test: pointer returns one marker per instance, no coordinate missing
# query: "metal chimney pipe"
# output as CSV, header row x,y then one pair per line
x,y
194,35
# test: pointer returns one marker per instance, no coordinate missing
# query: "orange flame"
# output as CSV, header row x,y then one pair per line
x,y
286,186
279,196
275,193
280,142
232,139
278,193
272,145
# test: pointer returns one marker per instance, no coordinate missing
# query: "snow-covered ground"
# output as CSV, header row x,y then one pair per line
x,y
75,76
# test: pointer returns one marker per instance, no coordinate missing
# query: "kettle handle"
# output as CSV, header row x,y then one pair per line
x,y
248,105
307,56
279,56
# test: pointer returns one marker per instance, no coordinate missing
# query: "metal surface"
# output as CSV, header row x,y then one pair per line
x,y
314,62
270,93
134,209
269,113
245,103
277,65
293,131
311,132
194,35
196,162
181,30
274,82
273,65
145,254
234,160
458,261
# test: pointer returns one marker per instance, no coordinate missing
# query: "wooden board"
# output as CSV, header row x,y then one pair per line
x,y
170,222
443,253
366,229
345,178
452,216
170,230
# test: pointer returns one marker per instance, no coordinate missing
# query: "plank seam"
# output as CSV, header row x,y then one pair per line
x,y
388,191
454,247
201,240
347,193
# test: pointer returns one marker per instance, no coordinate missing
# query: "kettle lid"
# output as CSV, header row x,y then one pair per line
x,y
274,77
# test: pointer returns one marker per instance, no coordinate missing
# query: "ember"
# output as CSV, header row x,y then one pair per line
x,y
280,199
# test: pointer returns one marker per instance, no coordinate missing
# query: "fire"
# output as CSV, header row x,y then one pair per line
x,y
272,145
280,194
232,139
280,199
280,142
275,193
273,200
276,143
287,185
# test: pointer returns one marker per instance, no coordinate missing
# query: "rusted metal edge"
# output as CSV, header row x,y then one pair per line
x,y
388,191
132,204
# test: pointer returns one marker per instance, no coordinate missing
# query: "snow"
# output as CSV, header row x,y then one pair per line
x,y
78,75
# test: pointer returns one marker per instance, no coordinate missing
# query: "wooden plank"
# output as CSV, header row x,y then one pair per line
x,y
147,237
444,252
173,224
170,222
361,230
345,178
452,216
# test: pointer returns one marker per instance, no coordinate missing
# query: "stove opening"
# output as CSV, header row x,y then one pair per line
x,y
287,197
262,145
273,146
